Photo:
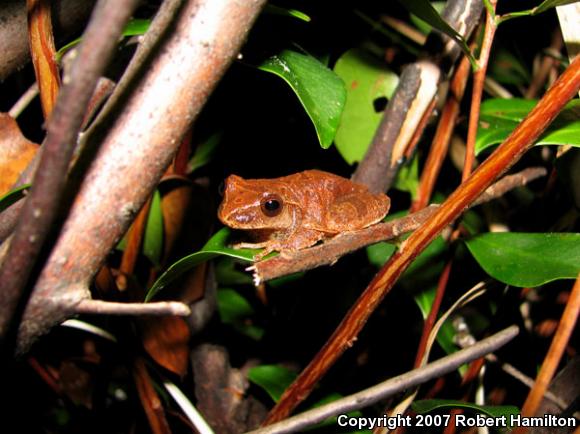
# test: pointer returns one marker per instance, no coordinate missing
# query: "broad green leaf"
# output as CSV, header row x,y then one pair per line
x,y
527,260
234,310
13,196
424,10
217,245
320,91
367,81
428,405
204,152
153,241
277,10
134,27
499,117
274,379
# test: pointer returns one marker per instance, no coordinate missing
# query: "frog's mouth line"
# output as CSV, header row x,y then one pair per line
x,y
258,235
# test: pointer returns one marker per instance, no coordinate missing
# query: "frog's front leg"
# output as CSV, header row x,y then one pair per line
x,y
300,239
297,240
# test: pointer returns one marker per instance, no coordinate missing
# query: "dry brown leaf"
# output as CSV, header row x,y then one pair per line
x,y
16,151
166,340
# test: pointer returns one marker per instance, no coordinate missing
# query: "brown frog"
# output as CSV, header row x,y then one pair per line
x,y
294,212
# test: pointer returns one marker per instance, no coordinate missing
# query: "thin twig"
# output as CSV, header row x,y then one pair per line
x,y
477,91
24,100
41,207
100,307
507,154
392,386
473,293
404,29
433,312
440,144
554,355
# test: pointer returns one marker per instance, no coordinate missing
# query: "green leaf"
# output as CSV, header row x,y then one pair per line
x,y
274,379
379,253
424,10
235,310
13,196
153,241
408,177
428,405
367,81
548,4
217,245
542,7
134,27
204,152
423,26
320,91
499,117
232,306
227,273
527,260
277,10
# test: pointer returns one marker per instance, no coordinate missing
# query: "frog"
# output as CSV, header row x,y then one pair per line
x,y
297,211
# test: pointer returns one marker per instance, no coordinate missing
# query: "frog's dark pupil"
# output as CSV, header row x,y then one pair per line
x,y
271,205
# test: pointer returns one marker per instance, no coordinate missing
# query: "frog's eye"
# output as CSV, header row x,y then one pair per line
x,y
272,205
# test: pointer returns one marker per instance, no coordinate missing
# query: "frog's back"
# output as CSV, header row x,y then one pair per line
x,y
335,204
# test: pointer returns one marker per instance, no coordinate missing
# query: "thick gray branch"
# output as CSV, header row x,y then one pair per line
x,y
203,40
42,205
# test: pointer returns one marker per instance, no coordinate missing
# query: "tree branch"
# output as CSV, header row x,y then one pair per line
x,y
135,147
100,307
42,204
406,113
507,154
69,16
392,386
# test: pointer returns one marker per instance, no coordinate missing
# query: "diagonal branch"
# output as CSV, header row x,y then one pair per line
x,y
507,154
392,386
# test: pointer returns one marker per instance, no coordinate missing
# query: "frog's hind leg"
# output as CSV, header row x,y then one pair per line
x,y
351,212
302,239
